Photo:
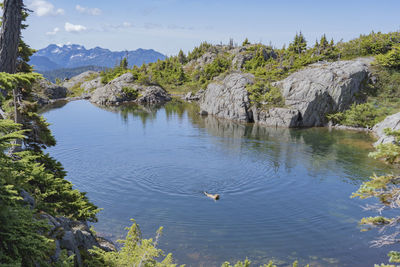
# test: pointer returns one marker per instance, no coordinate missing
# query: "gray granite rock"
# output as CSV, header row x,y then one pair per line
x,y
27,198
391,122
309,95
228,99
73,236
91,85
193,97
243,54
79,79
51,90
153,95
324,88
278,117
115,93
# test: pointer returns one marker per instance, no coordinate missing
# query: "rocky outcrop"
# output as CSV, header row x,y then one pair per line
x,y
228,99
152,95
91,85
324,88
51,90
44,92
200,62
309,95
278,117
392,122
123,89
193,97
113,93
243,54
73,236
80,79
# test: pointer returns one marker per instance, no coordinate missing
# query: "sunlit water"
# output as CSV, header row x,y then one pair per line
x,y
285,194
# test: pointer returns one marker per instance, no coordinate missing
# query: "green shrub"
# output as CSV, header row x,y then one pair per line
x,y
216,67
367,45
135,251
199,51
263,93
391,59
362,115
110,74
245,42
130,92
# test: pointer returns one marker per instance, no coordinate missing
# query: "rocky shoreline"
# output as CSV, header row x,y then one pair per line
x,y
75,237
309,95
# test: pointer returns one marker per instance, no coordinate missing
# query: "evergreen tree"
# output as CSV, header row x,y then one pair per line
x,y
245,42
182,57
299,44
123,64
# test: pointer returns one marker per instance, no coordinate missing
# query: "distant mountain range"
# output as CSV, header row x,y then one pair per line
x,y
53,75
55,57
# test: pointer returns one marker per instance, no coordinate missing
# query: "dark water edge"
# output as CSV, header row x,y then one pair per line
x,y
284,192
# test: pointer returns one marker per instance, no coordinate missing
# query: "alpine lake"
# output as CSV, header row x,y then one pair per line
x,y
284,193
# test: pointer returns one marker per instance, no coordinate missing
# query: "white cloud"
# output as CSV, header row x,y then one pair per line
x,y
54,32
44,8
69,27
127,24
90,11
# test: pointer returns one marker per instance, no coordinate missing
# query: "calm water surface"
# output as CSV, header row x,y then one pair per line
x,y
284,193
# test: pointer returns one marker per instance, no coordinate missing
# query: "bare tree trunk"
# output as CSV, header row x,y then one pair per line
x,y
10,35
9,41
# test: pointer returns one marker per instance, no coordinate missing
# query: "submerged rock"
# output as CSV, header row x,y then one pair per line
x,y
392,122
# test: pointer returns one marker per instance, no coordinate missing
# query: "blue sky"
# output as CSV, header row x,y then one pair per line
x,y
170,25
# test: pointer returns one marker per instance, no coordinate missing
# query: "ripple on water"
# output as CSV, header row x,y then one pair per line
x,y
281,191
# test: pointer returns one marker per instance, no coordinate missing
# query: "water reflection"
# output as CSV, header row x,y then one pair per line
x,y
328,149
282,190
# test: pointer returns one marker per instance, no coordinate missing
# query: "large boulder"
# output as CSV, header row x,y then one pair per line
x,y
152,95
278,117
49,89
124,89
46,92
115,91
229,98
392,122
91,85
309,95
324,88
